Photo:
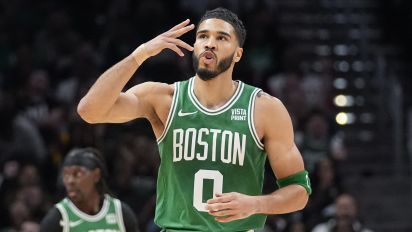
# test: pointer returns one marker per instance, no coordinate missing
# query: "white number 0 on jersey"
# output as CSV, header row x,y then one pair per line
x,y
200,175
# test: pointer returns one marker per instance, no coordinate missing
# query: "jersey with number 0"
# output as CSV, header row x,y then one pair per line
x,y
206,151
109,219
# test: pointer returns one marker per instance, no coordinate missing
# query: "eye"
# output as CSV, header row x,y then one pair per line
x,y
201,36
223,38
78,174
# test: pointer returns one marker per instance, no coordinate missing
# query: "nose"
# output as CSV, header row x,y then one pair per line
x,y
210,44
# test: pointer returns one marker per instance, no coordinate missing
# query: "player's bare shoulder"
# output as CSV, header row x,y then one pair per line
x,y
266,103
161,98
269,112
162,93
163,88
164,96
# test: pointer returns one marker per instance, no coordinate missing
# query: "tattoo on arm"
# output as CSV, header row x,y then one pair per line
x,y
262,93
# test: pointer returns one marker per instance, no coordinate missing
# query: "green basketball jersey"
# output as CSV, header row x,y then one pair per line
x,y
204,152
109,219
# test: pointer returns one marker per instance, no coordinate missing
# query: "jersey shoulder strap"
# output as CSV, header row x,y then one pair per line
x,y
64,222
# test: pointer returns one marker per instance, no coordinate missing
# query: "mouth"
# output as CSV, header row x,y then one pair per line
x,y
208,57
72,193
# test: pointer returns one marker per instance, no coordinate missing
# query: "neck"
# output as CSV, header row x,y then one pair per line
x,y
91,206
215,92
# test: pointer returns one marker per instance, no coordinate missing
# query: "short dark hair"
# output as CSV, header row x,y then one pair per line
x,y
229,17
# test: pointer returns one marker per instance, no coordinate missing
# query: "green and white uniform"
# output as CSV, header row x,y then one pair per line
x,y
207,151
109,219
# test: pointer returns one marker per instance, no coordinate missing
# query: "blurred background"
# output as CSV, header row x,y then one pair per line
x,y
341,67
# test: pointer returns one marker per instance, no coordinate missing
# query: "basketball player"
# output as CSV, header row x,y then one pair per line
x,y
88,207
214,133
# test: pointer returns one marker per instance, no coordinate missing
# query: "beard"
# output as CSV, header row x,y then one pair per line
x,y
208,74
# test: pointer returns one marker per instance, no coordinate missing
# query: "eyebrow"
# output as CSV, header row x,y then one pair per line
x,y
219,32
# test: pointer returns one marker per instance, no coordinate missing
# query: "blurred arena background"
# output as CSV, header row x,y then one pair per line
x,y
342,68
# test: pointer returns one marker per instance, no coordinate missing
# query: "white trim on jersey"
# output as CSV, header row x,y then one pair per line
x,y
65,218
119,214
171,113
87,217
251,122
219,110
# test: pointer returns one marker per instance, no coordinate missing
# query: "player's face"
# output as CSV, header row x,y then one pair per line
x,y
216,48
80,183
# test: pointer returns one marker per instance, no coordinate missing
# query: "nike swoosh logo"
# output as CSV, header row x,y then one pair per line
x,y
182,114
76,223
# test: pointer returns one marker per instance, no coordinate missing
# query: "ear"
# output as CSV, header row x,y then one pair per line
x,y
238,55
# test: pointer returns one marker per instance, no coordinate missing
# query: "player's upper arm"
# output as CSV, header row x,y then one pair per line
x,y
51,222
140,101
129,219
275,125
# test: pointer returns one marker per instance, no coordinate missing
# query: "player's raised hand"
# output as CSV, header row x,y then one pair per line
x,y
227,207
169,39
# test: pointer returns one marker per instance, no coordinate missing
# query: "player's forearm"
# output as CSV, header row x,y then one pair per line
x,y
284,200
107,88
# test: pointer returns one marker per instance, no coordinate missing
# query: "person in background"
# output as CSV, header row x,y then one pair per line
x,y
346,218
88,205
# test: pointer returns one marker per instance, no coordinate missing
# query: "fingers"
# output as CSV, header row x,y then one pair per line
x,y
181,31
221,198
168,40
170,37
180,25
174,45
174,48
223,213
219,206
180,43
223,202
227,207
